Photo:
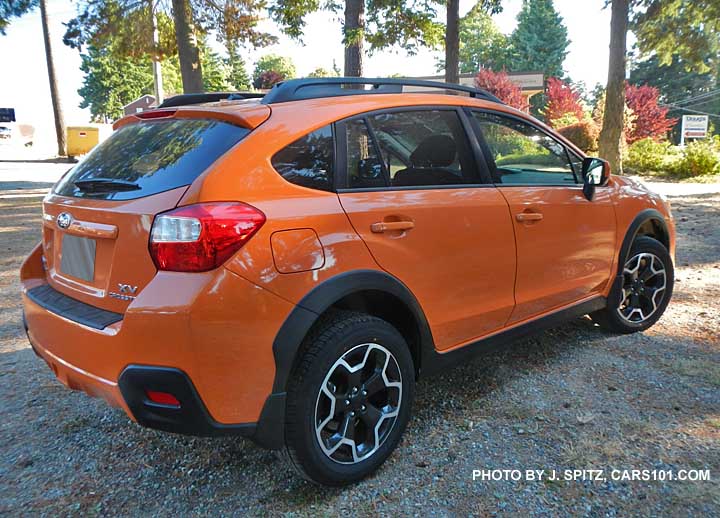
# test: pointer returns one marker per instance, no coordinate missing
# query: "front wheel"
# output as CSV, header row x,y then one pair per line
x,y
647,285
349,399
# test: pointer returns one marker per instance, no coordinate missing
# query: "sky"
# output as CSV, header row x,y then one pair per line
x,y
24,83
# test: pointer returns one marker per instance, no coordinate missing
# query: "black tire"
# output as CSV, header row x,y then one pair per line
x,y
341,335
610,318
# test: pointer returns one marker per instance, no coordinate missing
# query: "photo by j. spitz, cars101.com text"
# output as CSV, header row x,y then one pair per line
x,y
285,267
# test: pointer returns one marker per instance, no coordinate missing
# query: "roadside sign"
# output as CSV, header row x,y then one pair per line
x,y
693,126
7,114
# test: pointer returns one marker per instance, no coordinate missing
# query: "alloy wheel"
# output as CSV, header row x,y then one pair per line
x,y
644,283
358,403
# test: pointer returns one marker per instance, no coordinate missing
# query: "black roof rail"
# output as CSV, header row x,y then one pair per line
x,y
313,88
210,97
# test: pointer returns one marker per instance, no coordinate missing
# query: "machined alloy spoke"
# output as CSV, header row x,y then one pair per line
x,y
358,403
644,284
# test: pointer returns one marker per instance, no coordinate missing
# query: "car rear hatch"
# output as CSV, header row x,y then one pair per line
x,y
98,218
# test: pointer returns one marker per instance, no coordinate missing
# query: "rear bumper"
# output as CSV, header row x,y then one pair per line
x,y
206,338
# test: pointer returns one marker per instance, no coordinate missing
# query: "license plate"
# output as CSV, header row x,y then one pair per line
x,y
78,257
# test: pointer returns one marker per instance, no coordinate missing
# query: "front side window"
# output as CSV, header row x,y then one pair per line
x,y
423,148
308,161
522,154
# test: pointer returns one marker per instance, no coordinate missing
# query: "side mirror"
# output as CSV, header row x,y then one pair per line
x,y
595,172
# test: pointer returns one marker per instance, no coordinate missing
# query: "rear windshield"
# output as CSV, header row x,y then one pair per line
x,y
150,157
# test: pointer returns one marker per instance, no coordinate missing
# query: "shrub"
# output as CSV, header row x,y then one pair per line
x,y
583,134
647,155
698,158
562,101
500,85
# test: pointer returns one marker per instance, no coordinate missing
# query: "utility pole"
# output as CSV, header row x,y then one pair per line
x,y
54,95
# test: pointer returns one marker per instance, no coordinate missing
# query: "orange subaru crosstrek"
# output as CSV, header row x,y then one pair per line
x,y
285,268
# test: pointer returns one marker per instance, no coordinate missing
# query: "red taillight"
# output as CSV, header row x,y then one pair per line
x,y
197,238
155,114
162,398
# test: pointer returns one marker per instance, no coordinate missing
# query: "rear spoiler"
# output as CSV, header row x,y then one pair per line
x,y
249,115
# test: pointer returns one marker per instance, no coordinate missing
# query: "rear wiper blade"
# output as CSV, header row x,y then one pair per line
x,y
105,185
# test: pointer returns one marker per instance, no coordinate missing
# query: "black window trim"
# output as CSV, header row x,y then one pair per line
x,y
482,173
578,185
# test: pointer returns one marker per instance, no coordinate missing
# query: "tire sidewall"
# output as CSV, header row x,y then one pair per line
x,y
317,465
640,245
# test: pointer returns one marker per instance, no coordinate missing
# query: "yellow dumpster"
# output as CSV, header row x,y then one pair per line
x,y
81,139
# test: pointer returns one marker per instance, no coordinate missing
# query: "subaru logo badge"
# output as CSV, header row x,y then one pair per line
x,y
64,219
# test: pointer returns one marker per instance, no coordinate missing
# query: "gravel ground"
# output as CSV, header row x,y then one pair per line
x,y
571,398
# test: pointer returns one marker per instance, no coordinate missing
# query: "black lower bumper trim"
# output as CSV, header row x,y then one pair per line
x,y
52,300
192,417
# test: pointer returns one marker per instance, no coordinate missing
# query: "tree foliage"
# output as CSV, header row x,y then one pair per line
x,y
482,44
406,24
500,85
111,82
650,119
563,103
282,67
14,8
540,42
687,29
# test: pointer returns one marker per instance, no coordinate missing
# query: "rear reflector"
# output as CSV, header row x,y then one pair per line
x,y
201,237
162,398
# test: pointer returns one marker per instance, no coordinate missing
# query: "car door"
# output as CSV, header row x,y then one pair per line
x,y
410,187
565,243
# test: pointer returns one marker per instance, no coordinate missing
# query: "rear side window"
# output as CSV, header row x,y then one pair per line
x,y
308,161
150,157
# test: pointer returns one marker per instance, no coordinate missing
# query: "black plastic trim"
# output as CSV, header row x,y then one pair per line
x,y
191,418
434,361
293,331
315,88
631,233
47,297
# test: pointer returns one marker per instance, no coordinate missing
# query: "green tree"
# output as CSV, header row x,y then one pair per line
x,y
322,72
239,78
187,22
111,81
539,42
482,45
454,36
281,65
13,8
683,29
216,71
383,24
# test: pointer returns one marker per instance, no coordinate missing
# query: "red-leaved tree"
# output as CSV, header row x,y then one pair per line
x,y
562,100
267,79
651,119
500,85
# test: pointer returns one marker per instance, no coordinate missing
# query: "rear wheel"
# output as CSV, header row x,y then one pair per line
x,y
349,399
647,286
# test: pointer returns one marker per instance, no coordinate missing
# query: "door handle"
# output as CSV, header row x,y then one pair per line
x,y
384,226
528,216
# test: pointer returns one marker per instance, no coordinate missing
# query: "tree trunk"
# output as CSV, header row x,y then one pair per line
x,y
452,42
613,121
188,52
354,27
157,69
54,96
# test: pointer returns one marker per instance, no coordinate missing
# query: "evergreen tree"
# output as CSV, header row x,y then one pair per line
x,y
239,78
540,42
